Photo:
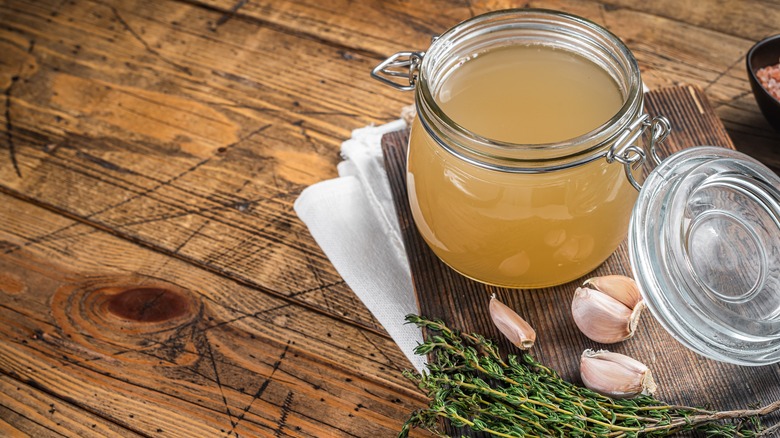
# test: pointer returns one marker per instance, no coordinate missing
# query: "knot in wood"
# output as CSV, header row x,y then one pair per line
x,y
148,304
135,318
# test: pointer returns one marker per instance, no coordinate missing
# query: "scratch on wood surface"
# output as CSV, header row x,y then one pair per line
x,y
171,180
48,236
103,163
229,14
285,412
218,381
51,236
232,254
304,131
310,265
261,390
146,45
9,126
323,286
723,73
8,247
245,82
243,315
191,236
381,351
730,101
315,289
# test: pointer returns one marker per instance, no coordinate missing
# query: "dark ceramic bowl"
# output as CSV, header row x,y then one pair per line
x,y
765,52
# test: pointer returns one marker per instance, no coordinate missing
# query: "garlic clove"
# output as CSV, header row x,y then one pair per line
x,y
603,318
511,325
619,287
615,375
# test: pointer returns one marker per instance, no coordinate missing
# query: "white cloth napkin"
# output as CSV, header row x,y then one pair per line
x,y
353,220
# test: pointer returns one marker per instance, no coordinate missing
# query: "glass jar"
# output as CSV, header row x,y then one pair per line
x,y
510,214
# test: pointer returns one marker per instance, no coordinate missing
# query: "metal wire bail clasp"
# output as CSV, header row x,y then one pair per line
x,y
626,151
400,65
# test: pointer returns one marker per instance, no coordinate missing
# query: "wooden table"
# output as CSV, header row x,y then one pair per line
x,y
154,279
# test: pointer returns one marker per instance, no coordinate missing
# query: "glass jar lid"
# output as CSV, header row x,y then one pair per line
x,y
704,243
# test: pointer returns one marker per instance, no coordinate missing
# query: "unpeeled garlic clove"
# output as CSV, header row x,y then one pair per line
x,y
511,325
619,287
610,311
603,318
615,375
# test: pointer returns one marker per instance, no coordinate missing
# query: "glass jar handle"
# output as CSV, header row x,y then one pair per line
x,y
400,65
625,151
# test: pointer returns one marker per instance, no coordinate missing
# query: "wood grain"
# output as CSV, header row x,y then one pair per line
x,y
202,158
232,359
702,43
683,377
135,151
167,141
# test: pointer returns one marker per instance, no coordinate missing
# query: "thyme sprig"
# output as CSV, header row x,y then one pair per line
x,y
470,385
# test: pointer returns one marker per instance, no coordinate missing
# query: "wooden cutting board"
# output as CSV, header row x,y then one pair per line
x,y
683,377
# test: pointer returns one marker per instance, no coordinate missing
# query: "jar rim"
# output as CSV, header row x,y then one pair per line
x,y
505,155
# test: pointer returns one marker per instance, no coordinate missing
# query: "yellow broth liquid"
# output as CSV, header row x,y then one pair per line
x,y
511,229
